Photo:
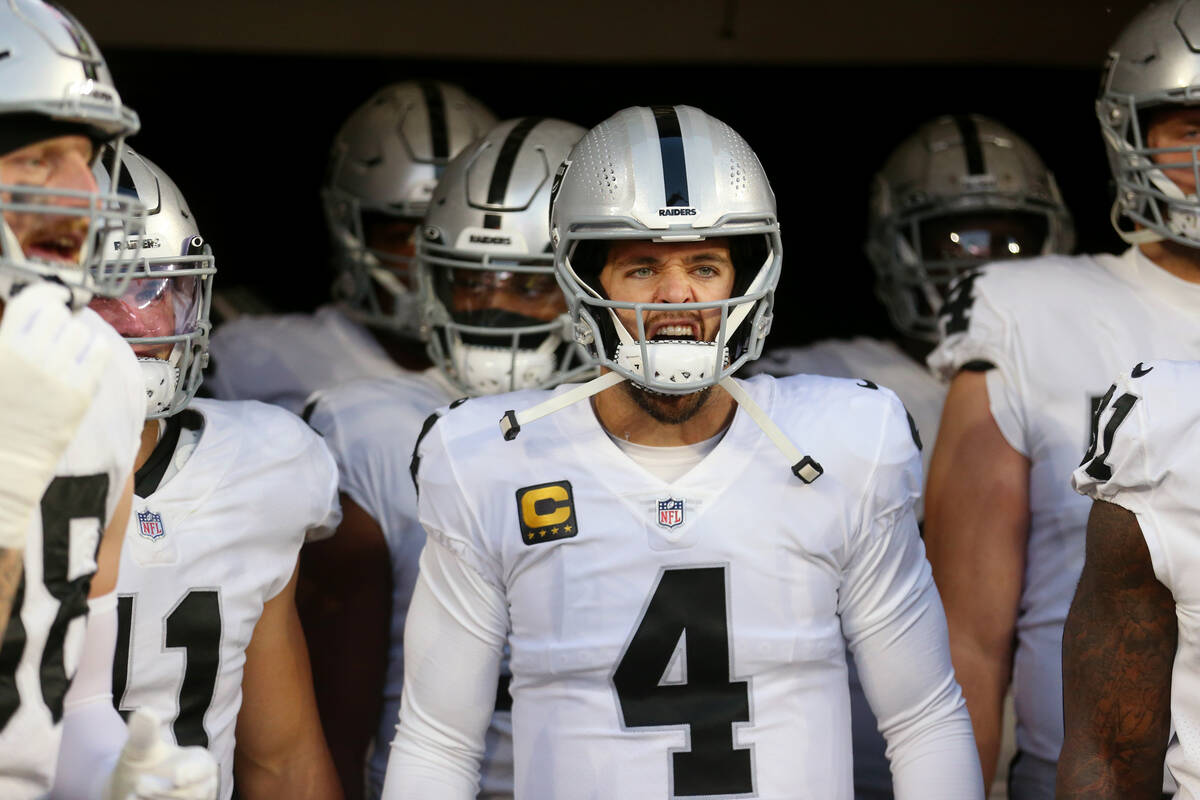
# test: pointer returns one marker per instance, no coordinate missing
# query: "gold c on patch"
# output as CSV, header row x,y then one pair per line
x,y
546,512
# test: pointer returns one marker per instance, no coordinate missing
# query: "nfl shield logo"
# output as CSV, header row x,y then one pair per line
x,y
150,525
670,513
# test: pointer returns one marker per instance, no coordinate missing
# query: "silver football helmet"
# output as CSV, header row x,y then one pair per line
x,y
493,314
164,311
1155,62
383,167
54,82
960,192
666,174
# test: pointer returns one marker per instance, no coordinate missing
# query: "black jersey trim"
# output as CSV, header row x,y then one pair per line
x,y
670,142
147,479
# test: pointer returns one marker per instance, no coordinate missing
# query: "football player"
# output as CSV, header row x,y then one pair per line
x,y
71,403
1029,349
961,191
383,167
224,495
497,322
1130,664
676,595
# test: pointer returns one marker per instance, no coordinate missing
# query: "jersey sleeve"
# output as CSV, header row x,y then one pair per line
x,y
445,508
363,456
327,508
891,615
977,328
307,460
1141,457
453,640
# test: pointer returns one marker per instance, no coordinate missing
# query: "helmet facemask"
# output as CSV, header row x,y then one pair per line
x,y
83,221
667,363
1146,192
163,313
384,166
54,83
931,247
495,324
377,284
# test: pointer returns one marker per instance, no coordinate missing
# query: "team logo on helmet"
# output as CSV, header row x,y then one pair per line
x,y
150,525
670,513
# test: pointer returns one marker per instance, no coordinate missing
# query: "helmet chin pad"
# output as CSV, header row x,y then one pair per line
x,y
161,379
491,370
680,363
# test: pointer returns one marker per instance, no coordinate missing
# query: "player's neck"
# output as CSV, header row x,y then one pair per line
x,y
150,433
1178,259
625,414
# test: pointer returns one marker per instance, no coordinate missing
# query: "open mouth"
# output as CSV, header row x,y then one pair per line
x,y
674,332
62,248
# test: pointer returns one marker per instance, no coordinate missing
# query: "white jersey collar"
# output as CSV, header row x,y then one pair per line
x,y
1134,267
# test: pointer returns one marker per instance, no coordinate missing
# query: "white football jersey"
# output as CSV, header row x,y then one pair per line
x,y
876,360
371,427
283,359
1057,329
923,395
687,638
44,639
1146,459
206,548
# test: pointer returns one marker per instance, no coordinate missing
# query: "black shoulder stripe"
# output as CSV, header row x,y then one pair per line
x,y
971,145
670,141
414,466
912,428
435,103
504,163
307,413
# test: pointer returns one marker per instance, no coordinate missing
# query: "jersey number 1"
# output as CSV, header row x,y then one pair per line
x,y
689,605
194,624
1095,458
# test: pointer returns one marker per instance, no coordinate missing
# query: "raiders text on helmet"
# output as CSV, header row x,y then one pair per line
x,y
1154,63
493,315
384,164
961,191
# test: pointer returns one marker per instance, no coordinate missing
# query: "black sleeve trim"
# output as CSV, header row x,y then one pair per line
x,y
978,365
414,466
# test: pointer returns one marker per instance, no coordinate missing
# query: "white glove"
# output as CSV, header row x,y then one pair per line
x,y
50,364
151,769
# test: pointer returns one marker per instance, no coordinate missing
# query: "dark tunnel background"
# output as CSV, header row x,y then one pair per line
x,y
246,138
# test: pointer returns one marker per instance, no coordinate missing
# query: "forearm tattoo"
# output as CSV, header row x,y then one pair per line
x,y
1118,648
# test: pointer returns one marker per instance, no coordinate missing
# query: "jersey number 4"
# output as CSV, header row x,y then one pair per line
x,y
194,625
67,498
687,613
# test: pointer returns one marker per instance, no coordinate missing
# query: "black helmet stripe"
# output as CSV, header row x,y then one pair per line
x,y
435,103
670,141
505,161
969,132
